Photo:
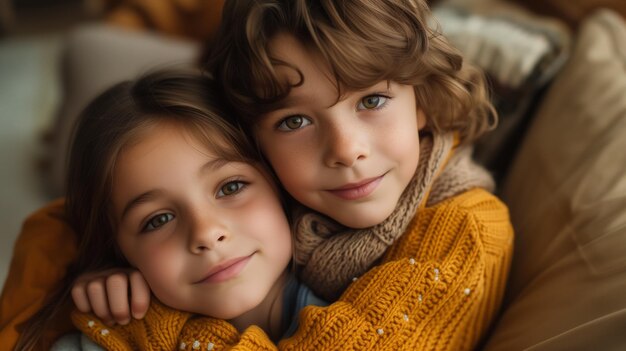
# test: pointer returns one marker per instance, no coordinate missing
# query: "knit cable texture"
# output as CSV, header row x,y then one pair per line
x,y
329,255
437,288
164,328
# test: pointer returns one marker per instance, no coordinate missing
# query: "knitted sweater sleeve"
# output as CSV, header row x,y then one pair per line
x,y
164,328
438,287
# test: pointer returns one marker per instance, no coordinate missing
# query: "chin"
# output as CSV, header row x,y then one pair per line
x,y
363,220
227,314
236,306
231,310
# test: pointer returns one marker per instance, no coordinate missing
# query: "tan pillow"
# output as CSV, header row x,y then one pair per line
x,y
573,12
519,52
95,57
567,196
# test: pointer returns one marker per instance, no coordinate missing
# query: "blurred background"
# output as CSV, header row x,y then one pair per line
x,y
31,38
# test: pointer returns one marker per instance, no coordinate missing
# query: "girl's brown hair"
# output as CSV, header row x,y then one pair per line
x,y
112,121
363,42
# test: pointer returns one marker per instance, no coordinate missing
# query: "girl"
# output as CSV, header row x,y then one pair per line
x,y
366,116
161,180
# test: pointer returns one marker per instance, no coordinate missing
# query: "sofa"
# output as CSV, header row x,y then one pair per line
x,y
566,191
559,156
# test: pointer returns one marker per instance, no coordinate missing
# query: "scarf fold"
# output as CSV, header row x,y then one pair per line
x,y
329,255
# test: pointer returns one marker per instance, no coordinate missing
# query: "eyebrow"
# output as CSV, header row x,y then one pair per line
x,y
137,200
212,165
295,99
292,100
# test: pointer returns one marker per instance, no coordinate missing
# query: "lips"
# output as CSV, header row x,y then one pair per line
x,y
355,191
226,270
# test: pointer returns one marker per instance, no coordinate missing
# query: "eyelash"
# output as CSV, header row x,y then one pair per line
x,y
382,105
145,228
284,120
242,186
378,95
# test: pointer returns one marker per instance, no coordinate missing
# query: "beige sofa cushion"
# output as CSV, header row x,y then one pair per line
x,y
572,11
567,196
95,57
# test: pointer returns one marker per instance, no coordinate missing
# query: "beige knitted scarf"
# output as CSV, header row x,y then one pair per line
x,y
329,255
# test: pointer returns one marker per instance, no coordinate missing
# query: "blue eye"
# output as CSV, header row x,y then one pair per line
x,y
231,188
293,122
158,221
372,102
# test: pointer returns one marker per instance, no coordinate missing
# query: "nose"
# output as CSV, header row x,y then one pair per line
x,y
206,232
346,143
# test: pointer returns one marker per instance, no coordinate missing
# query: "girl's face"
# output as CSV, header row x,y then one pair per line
x,y
349,159
209,235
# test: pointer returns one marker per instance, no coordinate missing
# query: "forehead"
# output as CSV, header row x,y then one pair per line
x,y
162,141
304,69
287,47
292,54
202,135
166,154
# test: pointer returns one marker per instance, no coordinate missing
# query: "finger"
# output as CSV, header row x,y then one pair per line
x,y
140,294
79,295
117,294
96,291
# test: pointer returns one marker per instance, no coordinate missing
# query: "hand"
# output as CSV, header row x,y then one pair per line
x,y
107,293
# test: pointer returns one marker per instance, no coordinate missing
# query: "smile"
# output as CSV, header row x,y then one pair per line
x,y
226,270
358,190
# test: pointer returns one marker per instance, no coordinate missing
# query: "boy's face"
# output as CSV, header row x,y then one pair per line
x,y
209,236
349,159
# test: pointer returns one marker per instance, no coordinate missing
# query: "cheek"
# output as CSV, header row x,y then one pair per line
x,y
405,143
159,264
267,224
408,157
406,147
164,277
404,151
293,164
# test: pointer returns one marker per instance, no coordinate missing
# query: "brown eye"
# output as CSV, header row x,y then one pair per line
x,y
230,188
372,102
293,122
158,221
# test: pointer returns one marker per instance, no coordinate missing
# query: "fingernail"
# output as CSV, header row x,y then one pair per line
x,y
137,315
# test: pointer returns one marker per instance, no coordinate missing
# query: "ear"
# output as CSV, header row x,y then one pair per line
x,y
421,119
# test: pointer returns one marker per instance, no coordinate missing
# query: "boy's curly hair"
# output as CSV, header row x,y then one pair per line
x,y
363,42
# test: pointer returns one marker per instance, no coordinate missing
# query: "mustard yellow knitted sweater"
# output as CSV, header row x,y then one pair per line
x,y
437,288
